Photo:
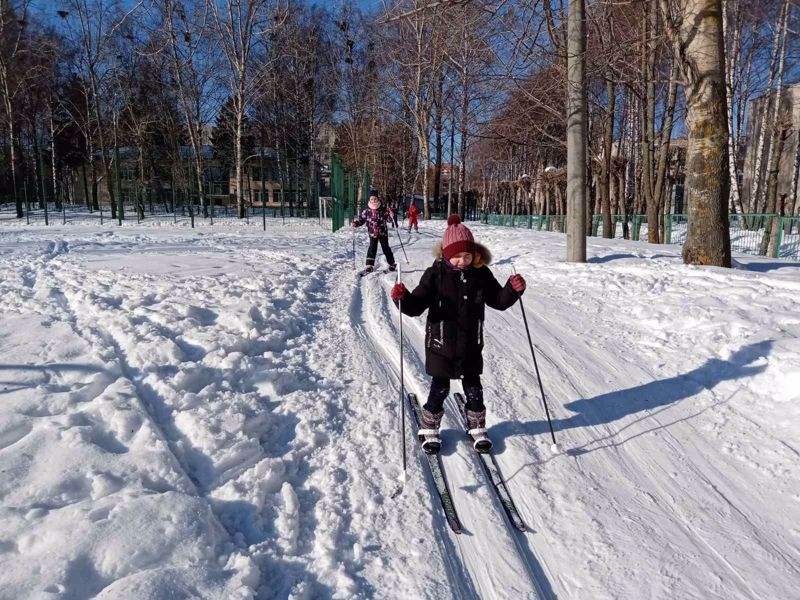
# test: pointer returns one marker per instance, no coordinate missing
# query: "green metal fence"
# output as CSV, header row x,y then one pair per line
x,y
344,189
788,244
538,222
469,215
747,230
629,227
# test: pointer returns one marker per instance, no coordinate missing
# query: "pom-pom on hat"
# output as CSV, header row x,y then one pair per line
x,y
457,238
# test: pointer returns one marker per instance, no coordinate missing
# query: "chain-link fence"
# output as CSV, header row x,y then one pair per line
x,y
761,234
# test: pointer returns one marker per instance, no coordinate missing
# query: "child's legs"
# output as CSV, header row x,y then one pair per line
x,y
387,250
440,388
473,391
372,251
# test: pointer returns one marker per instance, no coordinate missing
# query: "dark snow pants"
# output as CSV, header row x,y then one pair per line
x,y
440,388
373,250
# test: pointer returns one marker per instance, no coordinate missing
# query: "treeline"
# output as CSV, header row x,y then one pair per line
x,y
81,79
455,101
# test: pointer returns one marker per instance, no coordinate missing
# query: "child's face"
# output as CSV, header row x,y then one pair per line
x,y
461,260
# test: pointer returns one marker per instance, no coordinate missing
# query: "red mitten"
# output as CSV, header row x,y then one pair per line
x,y
518,283
398,291
355,223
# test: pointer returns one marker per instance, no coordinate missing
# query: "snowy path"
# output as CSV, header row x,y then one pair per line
x,y
643,470
215,414
491,561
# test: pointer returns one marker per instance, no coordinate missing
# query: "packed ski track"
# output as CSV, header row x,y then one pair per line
x,y
216,414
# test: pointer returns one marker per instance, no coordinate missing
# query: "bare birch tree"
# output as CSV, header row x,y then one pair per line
x,y
240,24
576,132
695,31
187,27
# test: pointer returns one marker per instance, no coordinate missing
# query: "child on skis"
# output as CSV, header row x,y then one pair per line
x,y
413,213
455,290
376,217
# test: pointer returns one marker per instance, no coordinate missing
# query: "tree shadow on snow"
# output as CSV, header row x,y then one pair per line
x,y
596,260
612,406
508,260
764,266
46,371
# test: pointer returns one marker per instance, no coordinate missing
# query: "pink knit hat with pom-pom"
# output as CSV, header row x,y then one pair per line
x,y
457,238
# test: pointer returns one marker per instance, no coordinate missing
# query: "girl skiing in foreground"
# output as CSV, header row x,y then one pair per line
x,y
376,217
455,290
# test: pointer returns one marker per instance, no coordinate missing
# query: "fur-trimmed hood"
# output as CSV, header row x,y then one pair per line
x,y
484,255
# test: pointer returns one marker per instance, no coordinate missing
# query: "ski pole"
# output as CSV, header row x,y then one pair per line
x,y
554,447
401,244
402,379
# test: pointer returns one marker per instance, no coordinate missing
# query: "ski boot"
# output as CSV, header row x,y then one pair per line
x,y
392,267
476,421
429,432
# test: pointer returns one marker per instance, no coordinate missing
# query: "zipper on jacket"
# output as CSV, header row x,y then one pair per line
x,y
480,330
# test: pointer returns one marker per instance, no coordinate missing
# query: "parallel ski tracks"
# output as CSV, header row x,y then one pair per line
x,y
372,331
460,580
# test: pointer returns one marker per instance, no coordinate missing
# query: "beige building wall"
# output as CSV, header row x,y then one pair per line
x,y
790,111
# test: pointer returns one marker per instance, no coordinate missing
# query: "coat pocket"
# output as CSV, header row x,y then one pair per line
x,y
440,338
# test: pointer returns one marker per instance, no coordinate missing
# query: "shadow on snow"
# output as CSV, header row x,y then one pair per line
x,y
618,404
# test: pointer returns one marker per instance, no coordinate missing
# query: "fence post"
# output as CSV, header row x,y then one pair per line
x,y
669,229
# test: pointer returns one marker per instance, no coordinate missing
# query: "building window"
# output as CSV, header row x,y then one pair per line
x,y
213,174
255,172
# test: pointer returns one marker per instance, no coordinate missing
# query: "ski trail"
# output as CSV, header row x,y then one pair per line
x,y
379,321
537,571
459,580
167,355
651,472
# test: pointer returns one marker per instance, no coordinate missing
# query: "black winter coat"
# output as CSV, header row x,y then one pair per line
x,y
455,301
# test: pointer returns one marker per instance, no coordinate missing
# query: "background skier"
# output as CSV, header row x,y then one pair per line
x,y
413,213
455,290
376,217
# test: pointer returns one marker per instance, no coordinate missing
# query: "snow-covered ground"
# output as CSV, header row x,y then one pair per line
x,y
214,414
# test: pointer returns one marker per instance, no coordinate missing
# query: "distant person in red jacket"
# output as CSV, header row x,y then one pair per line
x,y
413,213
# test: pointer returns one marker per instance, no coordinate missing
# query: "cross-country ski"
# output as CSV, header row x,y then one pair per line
x,y
492,469
437,474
